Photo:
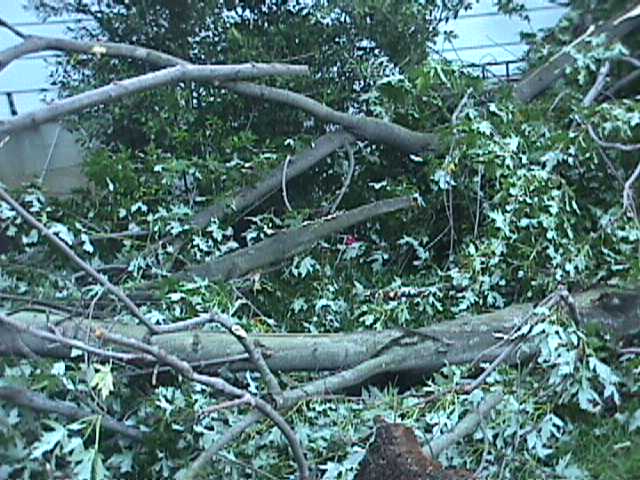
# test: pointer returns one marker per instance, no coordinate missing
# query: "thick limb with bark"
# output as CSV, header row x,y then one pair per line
x,y
281,246
120,89
298,164
359,355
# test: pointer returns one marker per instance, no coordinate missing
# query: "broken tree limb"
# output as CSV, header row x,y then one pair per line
x,y
615,311
537,81
120,89
37,43
372,129
298,164
283,245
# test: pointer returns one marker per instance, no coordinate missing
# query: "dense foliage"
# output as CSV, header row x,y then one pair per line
x,y
523,198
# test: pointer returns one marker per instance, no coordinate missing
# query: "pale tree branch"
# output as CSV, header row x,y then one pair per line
x,y
215,74
598,85
372,129
285,244
41,403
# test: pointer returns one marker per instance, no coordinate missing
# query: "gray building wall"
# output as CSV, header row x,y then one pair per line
x,y
48,153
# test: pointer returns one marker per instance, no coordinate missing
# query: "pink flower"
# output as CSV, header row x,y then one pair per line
x,y
351,240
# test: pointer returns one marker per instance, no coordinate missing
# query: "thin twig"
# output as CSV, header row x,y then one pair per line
x,y
476,222
47,163
225,405
347,180
460,107
12,29
101,279
219,384
284,183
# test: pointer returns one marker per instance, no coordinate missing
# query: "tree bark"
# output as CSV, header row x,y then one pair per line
x,y
358,356
273,250
300,163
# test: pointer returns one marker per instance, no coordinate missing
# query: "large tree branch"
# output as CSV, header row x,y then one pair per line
x,y
372,129
390,351
37,43
537,81
377,131
120,89
281,246
298,164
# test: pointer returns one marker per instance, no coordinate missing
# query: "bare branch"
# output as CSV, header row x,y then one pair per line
x,y
41,403
618,146
214,74
254,353
347,180
98,277
219,384
598,85
37,43
628,198
284,183
12,29
464,428
372,129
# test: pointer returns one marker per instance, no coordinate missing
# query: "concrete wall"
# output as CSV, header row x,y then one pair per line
x,y
50,149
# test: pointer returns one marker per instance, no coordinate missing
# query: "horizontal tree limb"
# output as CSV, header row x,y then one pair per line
x,y
38,43
538,80
283,245
461,341
41,403
372,129
120,89
375,130
298,164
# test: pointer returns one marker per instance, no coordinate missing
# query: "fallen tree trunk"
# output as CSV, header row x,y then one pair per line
x,y
358,356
